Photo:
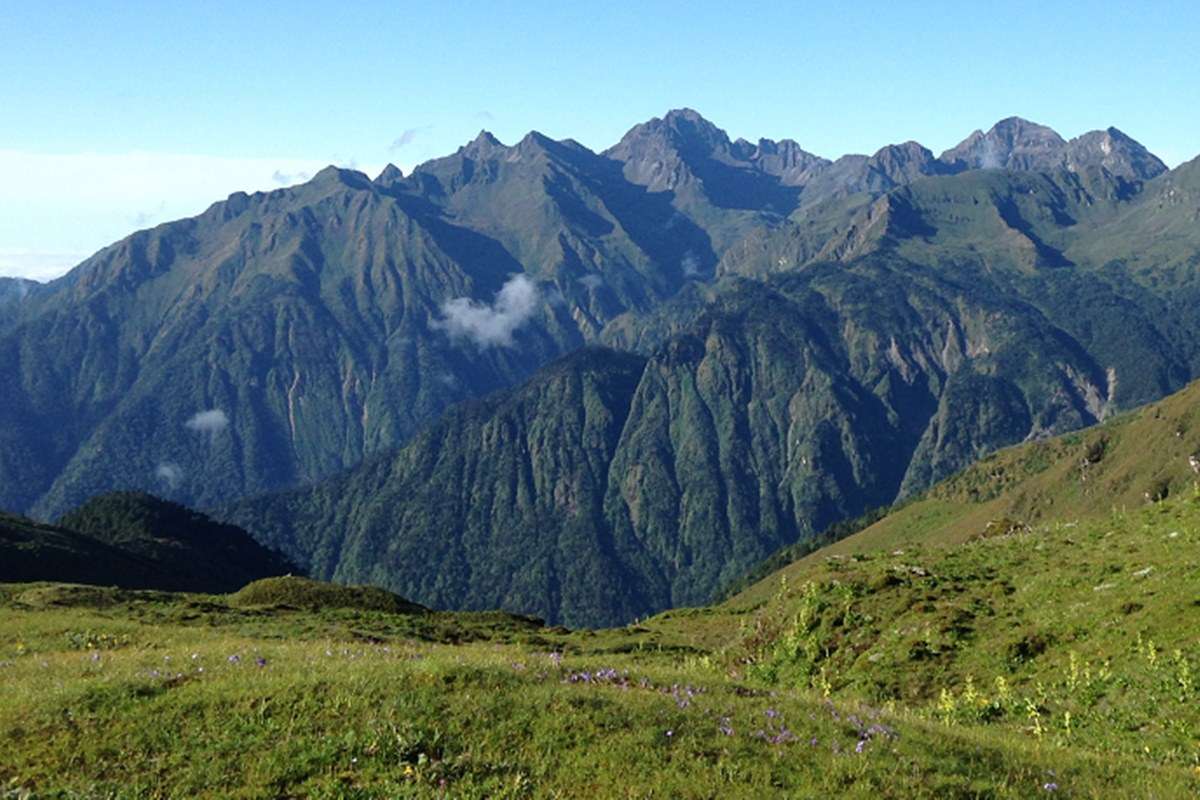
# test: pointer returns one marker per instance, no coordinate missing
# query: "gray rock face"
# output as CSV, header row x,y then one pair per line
x,y
1017,144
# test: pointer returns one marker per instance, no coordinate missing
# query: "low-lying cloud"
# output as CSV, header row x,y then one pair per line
x,y
169,473
211,422
491,325
592,281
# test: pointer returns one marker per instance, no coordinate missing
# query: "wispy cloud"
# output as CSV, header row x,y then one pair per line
x,y
143,218
690,265
487,116
490,325
212,421
169,473
289,178
407,137
592,281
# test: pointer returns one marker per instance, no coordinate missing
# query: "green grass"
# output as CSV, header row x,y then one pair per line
x,y
110,693
299,592
1077,635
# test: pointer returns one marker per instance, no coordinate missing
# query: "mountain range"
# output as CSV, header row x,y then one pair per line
x,y
672,357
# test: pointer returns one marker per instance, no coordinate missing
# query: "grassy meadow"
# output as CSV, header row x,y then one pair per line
x,y
1056,660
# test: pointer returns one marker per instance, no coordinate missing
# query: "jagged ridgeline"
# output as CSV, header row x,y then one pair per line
x,y
814,338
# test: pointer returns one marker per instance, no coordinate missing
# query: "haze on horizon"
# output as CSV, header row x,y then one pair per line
x,y
122,116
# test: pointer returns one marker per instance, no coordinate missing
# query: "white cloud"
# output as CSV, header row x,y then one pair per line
x,y
289,178
60,208
169,473
690,265
491,325
212,421
592,281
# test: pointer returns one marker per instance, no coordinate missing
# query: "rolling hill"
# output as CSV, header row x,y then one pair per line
x,y
135,541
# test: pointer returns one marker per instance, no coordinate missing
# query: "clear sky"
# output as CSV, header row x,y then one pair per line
x,y
120,115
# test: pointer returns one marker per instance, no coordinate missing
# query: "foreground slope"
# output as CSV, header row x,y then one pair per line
x,y
203,697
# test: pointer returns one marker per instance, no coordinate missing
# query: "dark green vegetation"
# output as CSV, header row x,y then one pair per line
x,y
813,339
135,541
1134,460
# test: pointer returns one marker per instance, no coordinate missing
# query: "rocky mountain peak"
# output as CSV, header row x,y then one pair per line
x,y
1116,152
391,174
1012,143
483,146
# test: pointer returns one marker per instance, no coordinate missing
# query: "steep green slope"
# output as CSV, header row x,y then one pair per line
x,y
300,320
498,505
1136,459
135,541
783,408
1049,591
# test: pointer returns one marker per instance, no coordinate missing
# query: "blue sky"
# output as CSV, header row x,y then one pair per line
x,y
115,116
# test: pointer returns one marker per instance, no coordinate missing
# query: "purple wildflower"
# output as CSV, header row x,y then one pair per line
x,y
234,659
783,736
262,662
725,727
1051,786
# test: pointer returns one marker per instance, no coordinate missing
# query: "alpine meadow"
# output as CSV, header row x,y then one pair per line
x,y
672,465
